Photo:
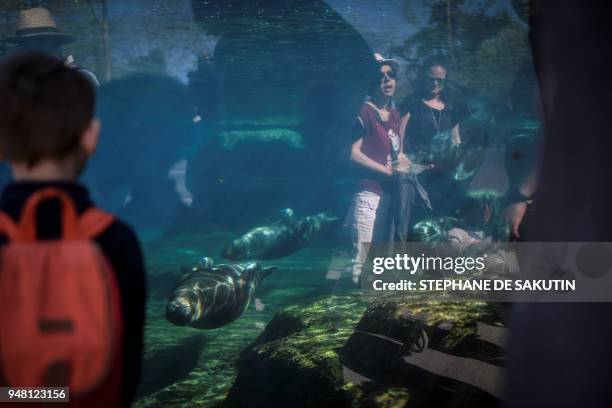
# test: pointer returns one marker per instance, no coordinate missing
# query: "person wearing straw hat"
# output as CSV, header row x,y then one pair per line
x,y
37,32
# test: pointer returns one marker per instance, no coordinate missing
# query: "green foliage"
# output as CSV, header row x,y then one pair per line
x,y
491,68
484,48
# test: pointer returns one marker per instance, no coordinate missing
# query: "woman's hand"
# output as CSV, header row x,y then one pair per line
x,y
514,215
403,160
402,164
359,157
455,135
389,170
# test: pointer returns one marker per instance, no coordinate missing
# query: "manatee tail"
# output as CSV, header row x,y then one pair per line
x,y
267,270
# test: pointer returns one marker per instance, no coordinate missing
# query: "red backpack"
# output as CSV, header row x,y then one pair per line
x,y
60,310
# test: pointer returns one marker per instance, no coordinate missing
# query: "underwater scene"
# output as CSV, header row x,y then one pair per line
x,y
258,148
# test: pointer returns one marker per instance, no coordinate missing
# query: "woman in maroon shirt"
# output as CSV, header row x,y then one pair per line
x,y
376,148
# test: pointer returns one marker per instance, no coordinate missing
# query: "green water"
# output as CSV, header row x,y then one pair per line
x,y
191,367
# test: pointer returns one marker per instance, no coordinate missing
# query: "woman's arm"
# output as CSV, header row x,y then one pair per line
x,y
515,212
359,157
403,162
455,136
403,125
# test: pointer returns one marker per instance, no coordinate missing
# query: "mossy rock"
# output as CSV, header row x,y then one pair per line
x,y
341,352
295,362
392,397
445,353
289,137
457,320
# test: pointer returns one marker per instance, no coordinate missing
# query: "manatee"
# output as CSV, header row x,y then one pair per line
x,y
434,229
286,235
211,296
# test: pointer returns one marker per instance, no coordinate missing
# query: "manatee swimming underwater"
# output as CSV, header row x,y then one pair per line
x,y
212,296
434,229
278,239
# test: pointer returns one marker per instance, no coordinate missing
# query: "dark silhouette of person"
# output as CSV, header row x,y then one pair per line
x,y
559,353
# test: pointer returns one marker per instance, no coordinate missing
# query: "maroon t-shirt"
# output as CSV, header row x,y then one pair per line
x,y
380,143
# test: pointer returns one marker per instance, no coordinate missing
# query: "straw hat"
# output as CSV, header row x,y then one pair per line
x,y
382,60
38,24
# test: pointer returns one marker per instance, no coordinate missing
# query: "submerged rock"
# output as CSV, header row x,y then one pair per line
x,y
444,353
292,138
295,361
396,354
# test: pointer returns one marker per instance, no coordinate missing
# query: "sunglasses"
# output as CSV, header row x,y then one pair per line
x,y
388,74
433,80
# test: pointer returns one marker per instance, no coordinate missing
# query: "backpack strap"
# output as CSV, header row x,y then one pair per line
x,y
27,223
90,224
8,227
93,222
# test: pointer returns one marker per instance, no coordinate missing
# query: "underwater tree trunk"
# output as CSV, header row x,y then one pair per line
x,y
105,38
449,28
104,25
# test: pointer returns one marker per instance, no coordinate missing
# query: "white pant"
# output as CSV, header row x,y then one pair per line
x,y
364,215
